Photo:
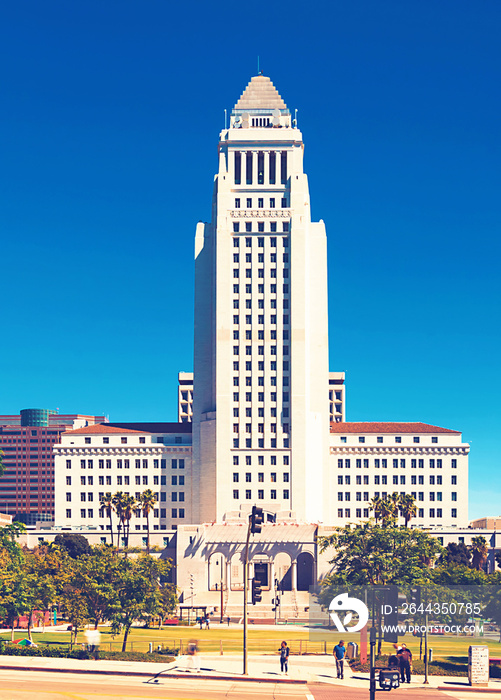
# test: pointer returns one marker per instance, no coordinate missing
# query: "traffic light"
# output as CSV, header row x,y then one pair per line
x,y
257,518
392,601
415,596
257,591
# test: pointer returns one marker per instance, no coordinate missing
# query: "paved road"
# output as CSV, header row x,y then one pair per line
x,y
27,685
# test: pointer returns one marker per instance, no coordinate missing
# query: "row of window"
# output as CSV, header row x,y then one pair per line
x,y
260,260
162,496
260,443
123,440
273,412
260,274
244,167
89,513
260,494
125,480
260,290
377,479
260,477
260,320
260,427
260,335
432,495
260,460
432,513
249,228
260,203
402,463
260,368
397,438
125,463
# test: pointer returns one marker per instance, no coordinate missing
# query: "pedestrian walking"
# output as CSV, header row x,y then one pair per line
x,y
284,657
339,652
228,620
405,663
207,622
93,639
192,660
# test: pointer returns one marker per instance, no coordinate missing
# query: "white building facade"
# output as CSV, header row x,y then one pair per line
x,y
377,459
262,421
261,410
92,461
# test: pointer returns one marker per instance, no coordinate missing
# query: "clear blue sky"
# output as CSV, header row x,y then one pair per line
x,y
109,120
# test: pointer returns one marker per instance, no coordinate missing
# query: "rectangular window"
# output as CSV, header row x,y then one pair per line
x,y
283,168
260,172
454,513
248,168
273,172
238,173
235,493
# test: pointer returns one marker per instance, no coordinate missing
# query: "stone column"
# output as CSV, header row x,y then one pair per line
x,y
266,169
294,576
254,168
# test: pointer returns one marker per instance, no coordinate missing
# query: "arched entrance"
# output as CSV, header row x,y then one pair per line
x,y
283,571
304,571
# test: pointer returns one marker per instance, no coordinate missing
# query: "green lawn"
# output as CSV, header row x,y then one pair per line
x,y
261,641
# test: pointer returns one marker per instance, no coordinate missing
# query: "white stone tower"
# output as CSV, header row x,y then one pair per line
x,y
261,412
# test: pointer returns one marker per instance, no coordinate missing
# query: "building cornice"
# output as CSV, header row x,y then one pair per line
x,y
404,450
260,213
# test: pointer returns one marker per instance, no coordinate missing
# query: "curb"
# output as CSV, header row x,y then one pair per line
x,y
468,689
166,674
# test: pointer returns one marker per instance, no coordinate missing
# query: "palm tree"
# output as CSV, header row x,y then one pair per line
x,y
375,505
407,505
118,501
387,512
129,507
107,503
147,501
395,506
479,549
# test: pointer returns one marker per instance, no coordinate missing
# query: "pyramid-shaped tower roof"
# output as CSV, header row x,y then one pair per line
x,y
260,93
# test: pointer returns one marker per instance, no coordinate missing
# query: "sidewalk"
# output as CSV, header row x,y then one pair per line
x,y
302,670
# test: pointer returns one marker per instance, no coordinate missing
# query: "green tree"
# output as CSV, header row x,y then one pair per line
x,y
370,554
74,544
14,585
138,592
129,506
455,554
457,575
407,507
376,506
44,567
147,502
96,576
118,501
479,550
72,602
107,504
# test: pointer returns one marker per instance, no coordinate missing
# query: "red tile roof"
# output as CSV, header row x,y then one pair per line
x,y
156,427
344,428
103,429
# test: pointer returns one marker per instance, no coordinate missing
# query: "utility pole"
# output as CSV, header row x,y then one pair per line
x,y
246,568
255,525
373,640
426,682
